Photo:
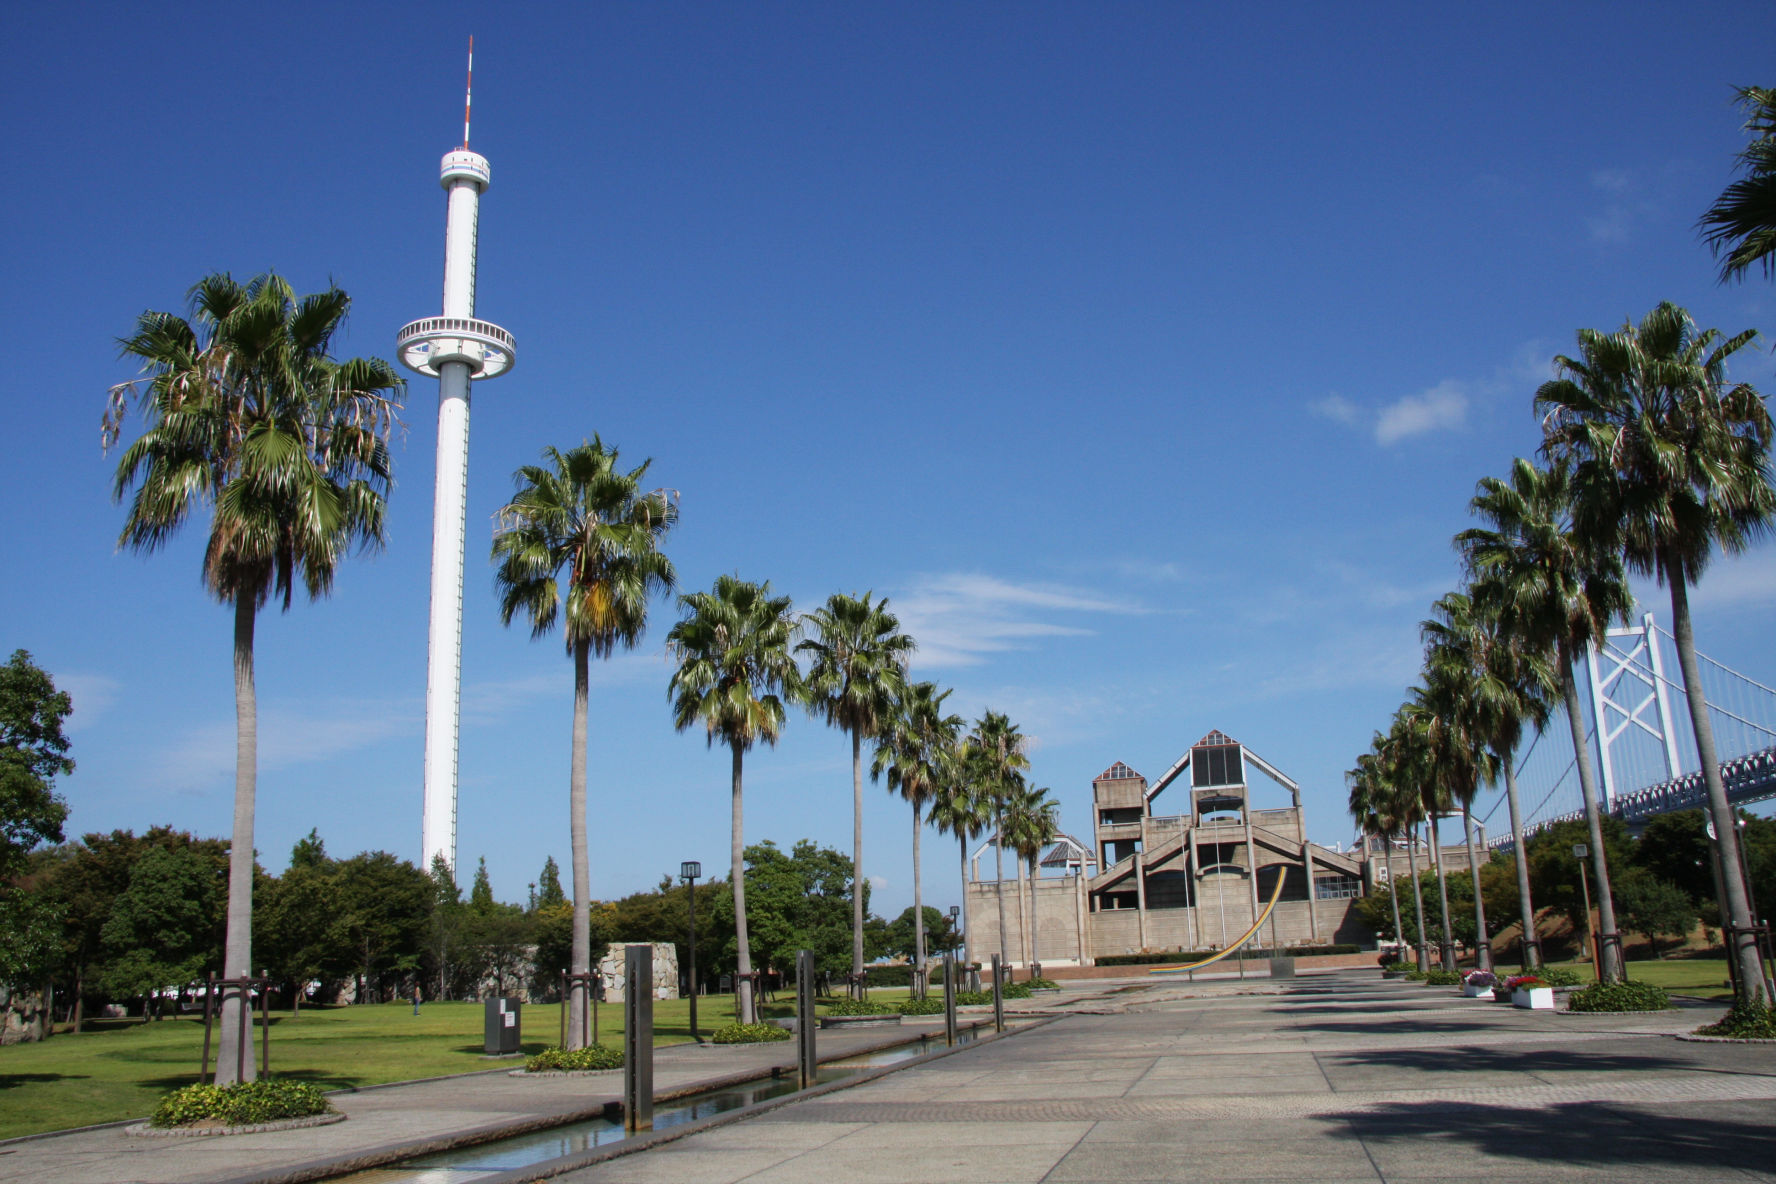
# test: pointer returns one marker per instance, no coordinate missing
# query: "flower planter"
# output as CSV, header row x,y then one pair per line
x,y
1534,999
1477,992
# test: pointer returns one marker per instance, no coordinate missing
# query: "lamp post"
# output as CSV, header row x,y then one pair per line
x,y
1580,852
955,925
688,871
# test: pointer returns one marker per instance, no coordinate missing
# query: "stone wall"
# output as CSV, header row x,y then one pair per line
x,y
613,969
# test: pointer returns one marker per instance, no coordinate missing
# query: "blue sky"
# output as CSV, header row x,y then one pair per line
x,y
1145,357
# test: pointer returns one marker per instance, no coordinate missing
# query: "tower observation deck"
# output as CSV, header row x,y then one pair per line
x,y
457,349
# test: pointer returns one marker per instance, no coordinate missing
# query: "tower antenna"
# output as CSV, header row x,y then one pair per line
x,y
468,92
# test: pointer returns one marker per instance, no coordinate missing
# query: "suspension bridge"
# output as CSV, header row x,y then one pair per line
x,y
1643,750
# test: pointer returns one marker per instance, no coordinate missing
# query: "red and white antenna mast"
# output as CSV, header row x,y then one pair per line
x,y
468,92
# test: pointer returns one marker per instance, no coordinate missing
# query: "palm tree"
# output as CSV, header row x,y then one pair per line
x,y
995,759
1555,591
1395,754
1455,681
580,517
857,672
1742,221
913,751
247,412
1372,805
1670,461
957,808
1031,822
1427,755
1513,685
732,647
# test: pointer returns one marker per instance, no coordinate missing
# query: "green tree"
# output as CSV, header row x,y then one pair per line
x,y
246,412
1556,875
858,669
1671,461
916,750
293,917
481,901
800,900
1741,224
549,893
1674,847
732,647
381,906
1423,751
33,752
1654,908
579,518
164,929
1555,589
903,932
1372,803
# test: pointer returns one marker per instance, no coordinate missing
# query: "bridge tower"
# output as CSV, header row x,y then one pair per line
x,y
1628,681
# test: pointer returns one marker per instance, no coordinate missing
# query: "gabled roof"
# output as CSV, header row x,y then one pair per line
x,y
1118,772
1066,850
1215,738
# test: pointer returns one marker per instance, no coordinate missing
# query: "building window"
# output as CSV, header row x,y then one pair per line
x,y
1337,887
1217,765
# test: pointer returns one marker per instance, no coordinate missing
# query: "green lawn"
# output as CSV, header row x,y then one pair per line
x,y
1702,977
120,1069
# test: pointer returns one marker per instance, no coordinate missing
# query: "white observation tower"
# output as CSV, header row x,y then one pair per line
x,y
456,349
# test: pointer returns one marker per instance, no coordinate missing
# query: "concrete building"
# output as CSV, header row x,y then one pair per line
x,y
1193,880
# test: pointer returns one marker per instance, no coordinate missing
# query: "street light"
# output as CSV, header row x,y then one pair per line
x,y
1582,851
688,871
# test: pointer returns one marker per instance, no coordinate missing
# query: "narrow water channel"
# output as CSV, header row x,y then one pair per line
x,y
468,1164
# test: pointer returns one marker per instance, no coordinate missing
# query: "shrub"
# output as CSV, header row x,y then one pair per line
x,y
748,1034
1043,984
926,1006
243,1104
1442,978
1400,967
972,998
859,1007
1559,976
1747,1021
1415,975
1016,990
1619,997
593,1056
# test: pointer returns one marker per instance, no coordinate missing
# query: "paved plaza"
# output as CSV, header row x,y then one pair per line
x,y
1336,1077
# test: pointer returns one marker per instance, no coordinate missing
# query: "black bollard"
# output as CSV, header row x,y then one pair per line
x,y
998,997
950,999
638,1038
806,1063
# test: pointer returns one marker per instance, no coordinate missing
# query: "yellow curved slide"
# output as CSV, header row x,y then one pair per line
x,y
1275,895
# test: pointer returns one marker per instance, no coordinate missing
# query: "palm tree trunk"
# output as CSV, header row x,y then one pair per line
x,y
999,877
582,870
1482,944
967,929
856,864
1609,948
1418,902
234,1063
1394,899
1530,946
737,868
1034,925
1446,939
1735,906
918,908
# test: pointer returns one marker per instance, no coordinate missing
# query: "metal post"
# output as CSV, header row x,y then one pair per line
x,y
638,1038
949,965
1581,851
998,997
690,879
807,1065
265,1025
562,1043
243,1030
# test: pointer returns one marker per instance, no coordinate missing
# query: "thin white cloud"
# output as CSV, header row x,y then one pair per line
x,y
486,702
959,619
203,757
91,693
1625,207
1444,407
1731,582
1338,409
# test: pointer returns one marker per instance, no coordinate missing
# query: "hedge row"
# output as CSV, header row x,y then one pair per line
x,y
1199,955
